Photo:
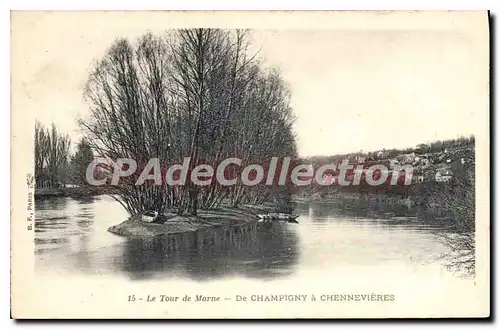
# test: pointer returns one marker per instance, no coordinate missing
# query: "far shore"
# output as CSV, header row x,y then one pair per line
x,y
343,196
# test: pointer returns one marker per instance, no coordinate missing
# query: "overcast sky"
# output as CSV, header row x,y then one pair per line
x,y
352,89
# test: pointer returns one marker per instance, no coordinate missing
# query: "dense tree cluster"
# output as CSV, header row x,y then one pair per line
x,y
195,93
55,167
80,162
51,156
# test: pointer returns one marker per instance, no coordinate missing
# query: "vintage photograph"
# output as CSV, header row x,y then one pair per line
x,y
250,165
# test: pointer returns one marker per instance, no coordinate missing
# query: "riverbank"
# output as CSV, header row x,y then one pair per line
x,y
343,196
76,192
170,223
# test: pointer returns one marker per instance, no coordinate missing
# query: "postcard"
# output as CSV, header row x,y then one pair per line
x,y
250,165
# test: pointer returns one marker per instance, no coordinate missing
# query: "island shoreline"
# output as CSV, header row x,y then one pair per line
x,y
224,218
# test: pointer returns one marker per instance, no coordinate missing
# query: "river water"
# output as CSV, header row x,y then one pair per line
x,y
337,247
71,236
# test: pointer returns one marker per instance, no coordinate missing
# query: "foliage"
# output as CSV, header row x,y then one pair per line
x,y
51,156
460,200
80,161
194,93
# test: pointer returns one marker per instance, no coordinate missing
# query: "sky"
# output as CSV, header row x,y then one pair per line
x,y
382,86
367,90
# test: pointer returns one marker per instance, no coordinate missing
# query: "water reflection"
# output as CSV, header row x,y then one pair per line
x,y
397,214
58,220
253,251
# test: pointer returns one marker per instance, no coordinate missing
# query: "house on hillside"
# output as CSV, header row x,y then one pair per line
x,y
360,159
393,163
418,176
424,162
383,154
443,175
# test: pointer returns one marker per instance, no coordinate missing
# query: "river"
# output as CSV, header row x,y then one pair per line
x,y
334,247
328,237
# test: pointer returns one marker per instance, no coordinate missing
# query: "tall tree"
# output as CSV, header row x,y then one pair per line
x,y
80,162
194,93
51,156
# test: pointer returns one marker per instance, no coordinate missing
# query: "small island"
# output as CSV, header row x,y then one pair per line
x,y
171,223
224,218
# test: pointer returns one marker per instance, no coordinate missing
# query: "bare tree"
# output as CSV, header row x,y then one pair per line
x,y
41,154
193,93
458,198
51,156
80,161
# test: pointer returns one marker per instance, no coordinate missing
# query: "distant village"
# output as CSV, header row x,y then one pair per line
x,y
432,162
